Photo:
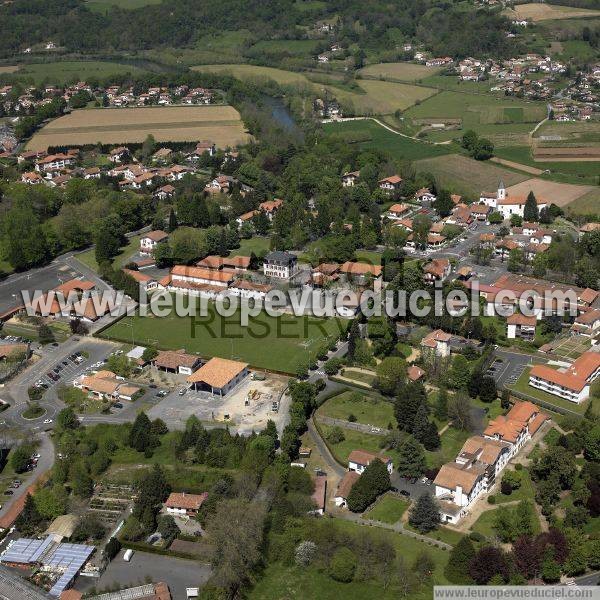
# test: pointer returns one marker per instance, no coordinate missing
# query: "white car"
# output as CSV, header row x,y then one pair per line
x,y
46,421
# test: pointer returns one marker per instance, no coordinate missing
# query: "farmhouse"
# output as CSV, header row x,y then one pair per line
x,y
150,240
184,504
176,361
572,383
218,376
281,265
344,487
359,460
31,178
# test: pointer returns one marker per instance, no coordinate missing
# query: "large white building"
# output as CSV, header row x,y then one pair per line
x,y
572,383
280,265
508,204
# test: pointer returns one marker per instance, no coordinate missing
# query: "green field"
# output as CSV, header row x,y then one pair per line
x,y
389,509
466,176
369,410
313,583
88,257
588,204
258,245
61,72
353,440
291,47
242,71
103,6
273,343
522,385
370,134
399,71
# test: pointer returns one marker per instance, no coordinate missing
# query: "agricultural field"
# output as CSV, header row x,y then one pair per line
x,y
242,71
545,12
272,343
561,194
370,134
291,47
588,204
400,71
61,72
8,69
103,6
221,124
467,176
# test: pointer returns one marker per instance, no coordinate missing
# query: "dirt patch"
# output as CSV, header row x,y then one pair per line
x,y
518,166
560,194
8,68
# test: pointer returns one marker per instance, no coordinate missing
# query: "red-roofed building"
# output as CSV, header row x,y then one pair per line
x,y
150,240
520,326
359,460
184,504
344,487
437,342
390,184
320,494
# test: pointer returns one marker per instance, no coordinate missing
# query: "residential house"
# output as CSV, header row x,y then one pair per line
x,y
343,489
572,383
587,323
182,504
390,184
437,269
415,373
359,460
397,210
270,207
144,280
361,273
425,195
31,178
349,179
520,326
119,155
149,241
437,342
165,192
106,384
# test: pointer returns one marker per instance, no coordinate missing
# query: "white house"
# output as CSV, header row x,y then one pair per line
x,y
182,504
520,326
150,240
359,460
248,289
349,179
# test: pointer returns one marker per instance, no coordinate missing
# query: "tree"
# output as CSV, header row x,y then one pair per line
x,y
457,568
305,553
67,419
374,481
511,480
440,409
530,211
391,372
173,224
524,518
167,527
503,524
141,436
343,565
30,519
411,458
112,548
488,392
459,411
51,501
19,458
459,372
336,435
516,260
89,528
45,335
488,561
443,203
550,570
82,483
424,515
495,218
424,430
527,556
353,337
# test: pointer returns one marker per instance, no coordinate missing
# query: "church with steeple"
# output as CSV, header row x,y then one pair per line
x,y
508,204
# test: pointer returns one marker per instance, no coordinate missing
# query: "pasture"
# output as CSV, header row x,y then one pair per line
x,y
561,194
467,176
290,47
61,72
369,134
588,204
272,343
400,71
221,124
246,72
545,12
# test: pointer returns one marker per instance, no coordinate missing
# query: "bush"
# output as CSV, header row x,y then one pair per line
x,y
477,537
518,467
112,548
336,435
352,418
492,499
343,565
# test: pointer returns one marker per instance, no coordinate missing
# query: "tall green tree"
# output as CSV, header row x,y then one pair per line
x,y
424,515
530,211
411,458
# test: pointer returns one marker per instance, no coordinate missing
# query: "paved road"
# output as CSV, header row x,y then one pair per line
x,y
591,579
332,464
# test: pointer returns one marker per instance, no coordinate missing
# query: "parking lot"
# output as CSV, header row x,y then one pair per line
x,y
248,406
507,367
64,371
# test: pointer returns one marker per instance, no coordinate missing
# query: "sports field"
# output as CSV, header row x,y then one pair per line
x,y
273,343
546,12
8,68
467,176
221,124
401,71
60,72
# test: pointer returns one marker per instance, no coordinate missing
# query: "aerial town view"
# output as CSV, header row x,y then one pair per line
x,y
299,299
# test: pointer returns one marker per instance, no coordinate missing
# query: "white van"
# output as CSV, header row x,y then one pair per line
x,y
128,554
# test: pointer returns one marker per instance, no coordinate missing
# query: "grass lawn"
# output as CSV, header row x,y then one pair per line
x,y
61,330
525,492
368,256
272,343
291,47
404,349
258,245
354,440
61,72
443,534
389,509
367,409
371,135
252,72
452,441
359,376
493,408
485,524
88,257
522,385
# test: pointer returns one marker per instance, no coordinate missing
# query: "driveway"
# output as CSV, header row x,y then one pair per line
x,y
178,573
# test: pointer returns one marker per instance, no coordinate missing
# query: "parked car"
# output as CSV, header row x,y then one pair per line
x,y
8,493
405,493
162,393
182,391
